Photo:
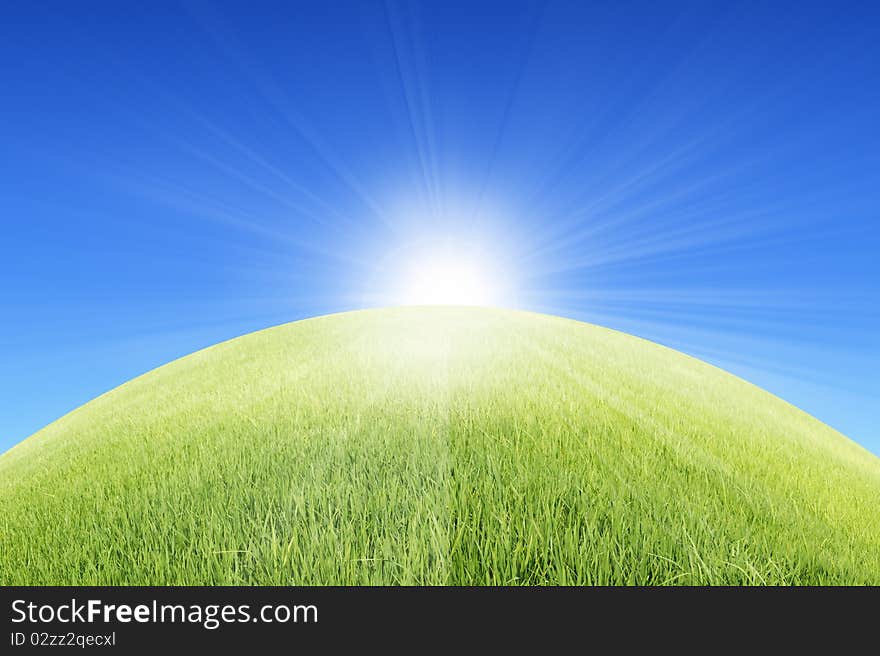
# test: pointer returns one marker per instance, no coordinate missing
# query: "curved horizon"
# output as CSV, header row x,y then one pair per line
x,y
414,308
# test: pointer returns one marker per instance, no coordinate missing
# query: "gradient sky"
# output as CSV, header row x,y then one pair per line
x,y
705,176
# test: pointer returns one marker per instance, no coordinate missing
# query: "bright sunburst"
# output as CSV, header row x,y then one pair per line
x,y
450,274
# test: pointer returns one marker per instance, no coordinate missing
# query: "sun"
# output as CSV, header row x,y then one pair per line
x,y
450,274
447,280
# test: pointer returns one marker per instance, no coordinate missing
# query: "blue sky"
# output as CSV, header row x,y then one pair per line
x,y
703,175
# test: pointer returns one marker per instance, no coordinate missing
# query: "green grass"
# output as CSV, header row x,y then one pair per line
x,y
438,446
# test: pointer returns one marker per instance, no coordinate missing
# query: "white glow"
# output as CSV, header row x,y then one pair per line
x,y
449,274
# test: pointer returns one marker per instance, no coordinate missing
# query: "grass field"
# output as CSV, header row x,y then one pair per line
x,y
438,446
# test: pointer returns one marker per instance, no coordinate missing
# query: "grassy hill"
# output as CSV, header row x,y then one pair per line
x,y
438,446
